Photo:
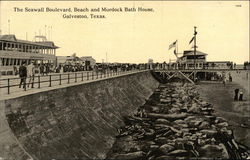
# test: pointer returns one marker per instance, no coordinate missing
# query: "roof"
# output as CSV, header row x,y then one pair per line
x,y
12,38
8,37
191,52
219,61
87,58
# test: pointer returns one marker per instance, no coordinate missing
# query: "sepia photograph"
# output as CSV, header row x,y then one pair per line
x,y
124,80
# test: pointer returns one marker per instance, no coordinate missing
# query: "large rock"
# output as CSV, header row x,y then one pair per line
x,y
214,151
166,148
129,156
194,109
164,158
209,132
179,153
167,100
220,120
223,124
204,125
168,116
162,121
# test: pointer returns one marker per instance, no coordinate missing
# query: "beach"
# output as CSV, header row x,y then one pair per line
x,y
237,113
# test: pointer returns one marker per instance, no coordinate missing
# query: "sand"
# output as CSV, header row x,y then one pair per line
x,y
236,112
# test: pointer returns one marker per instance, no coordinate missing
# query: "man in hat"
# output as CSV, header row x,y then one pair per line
x,y
236,91
31,74
23,75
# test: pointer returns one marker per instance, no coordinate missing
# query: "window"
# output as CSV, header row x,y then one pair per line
x,y
11,60
7,61
1,61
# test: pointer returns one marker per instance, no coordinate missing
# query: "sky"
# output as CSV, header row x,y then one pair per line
x,y
134,37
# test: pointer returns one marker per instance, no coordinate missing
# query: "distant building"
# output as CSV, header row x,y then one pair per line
x,y
69,60
189,59
89,61
86,61
13,52
220,64
150,63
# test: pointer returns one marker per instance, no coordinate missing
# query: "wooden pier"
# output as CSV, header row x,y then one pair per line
x,y
190,74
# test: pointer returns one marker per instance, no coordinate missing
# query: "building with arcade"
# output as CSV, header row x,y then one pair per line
x,y
13,52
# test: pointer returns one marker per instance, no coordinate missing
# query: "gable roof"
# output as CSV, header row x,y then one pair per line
x,y
191,52
12,38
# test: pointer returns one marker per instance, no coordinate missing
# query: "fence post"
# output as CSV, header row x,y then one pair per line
x,y
87,75
8,86
68,78
60,78
25,84
101,74
97,75
75,77
39,81
92,75
82,76
49,80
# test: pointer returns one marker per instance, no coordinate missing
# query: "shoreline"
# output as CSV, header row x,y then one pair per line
x,y
235,112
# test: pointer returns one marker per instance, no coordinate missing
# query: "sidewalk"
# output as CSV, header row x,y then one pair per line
x,y
15,91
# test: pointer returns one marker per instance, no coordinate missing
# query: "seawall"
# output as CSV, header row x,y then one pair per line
x,y
79,121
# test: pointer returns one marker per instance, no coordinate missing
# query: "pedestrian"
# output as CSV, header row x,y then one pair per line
x,y
236,91
31,74
230,78
23,75
224,81
46,69
15,70
241,96
41,69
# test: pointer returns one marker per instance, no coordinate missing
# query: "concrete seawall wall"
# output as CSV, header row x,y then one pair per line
x,y
73,122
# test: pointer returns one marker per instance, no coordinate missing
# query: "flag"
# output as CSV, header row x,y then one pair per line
x,y
191,40
172,45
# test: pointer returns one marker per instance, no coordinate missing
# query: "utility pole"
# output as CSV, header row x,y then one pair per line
x,y
51,33
45,30
195,46
106,57
9,25
195,53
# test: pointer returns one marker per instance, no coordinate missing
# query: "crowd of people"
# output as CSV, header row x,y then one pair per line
x,y
27,72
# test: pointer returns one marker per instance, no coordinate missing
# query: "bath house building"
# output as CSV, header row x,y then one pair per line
x,y
188,59
13,52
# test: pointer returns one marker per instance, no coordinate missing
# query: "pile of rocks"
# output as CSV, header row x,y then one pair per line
x,y
175,123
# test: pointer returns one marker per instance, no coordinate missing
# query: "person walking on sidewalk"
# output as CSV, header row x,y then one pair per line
x,y
23,75
236,92
31,74
241,95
